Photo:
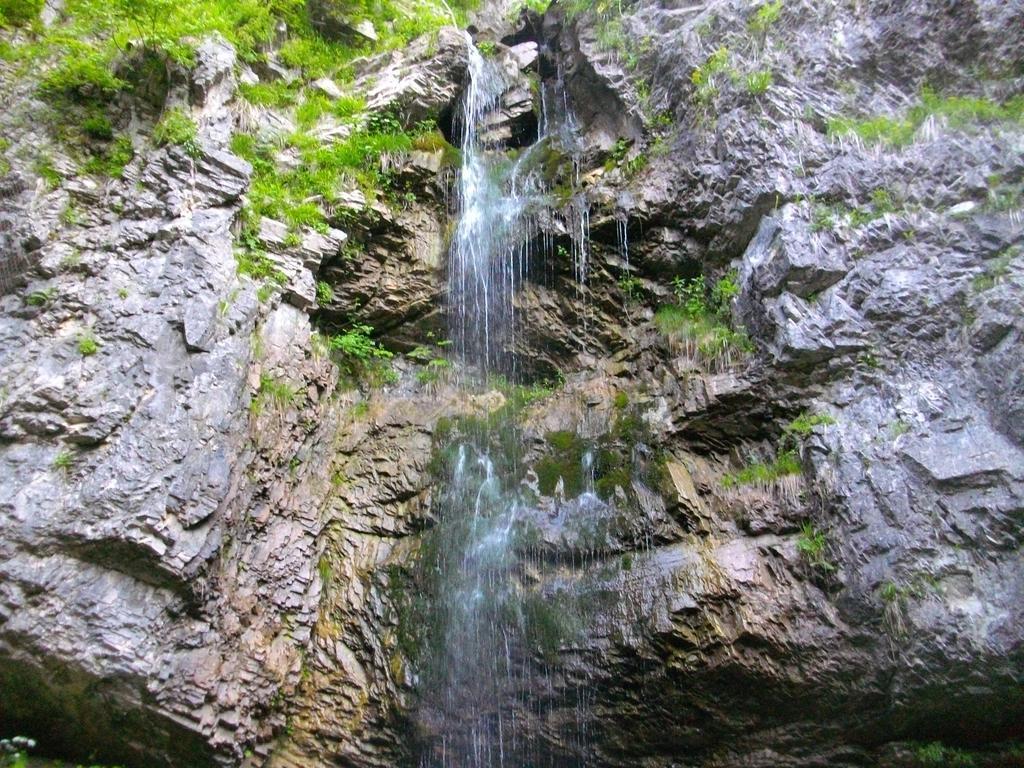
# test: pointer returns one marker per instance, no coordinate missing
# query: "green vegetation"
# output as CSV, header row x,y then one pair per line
x,y
98,127
764,474
45,168
42,297
827,218
360,357
87,344
759,82
996,271
176,127
936,755
64,460
5,165
324,293
19,13
96,50
540,6
960,112
300,196
564,461
705,78
273,94
277,392
764,18
805,423
435,366
433,371
110,159
811,544
898,427
253,261
487,48
70,216
703,322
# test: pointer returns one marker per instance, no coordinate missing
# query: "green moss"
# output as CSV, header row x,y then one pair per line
x,y
434,141
618,477
549,622
564,461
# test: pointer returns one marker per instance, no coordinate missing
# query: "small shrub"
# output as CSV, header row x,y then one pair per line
x,y
45,168
704,77
98,127
765,17
19,13
111,161
41,298
64,460
357,344
275,391
811,544
88,344
630,286
324,293
487,48
177,127
702,324
84,74
936,755
805,423
759,82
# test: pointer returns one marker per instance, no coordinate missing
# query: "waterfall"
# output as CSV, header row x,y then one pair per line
x,y
479,684
489,250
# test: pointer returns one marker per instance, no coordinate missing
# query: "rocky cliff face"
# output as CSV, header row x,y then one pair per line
x,y
210,541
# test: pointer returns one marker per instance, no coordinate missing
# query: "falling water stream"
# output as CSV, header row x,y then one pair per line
x,y
484,678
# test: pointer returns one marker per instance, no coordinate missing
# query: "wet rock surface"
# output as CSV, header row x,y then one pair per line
x,y
206,541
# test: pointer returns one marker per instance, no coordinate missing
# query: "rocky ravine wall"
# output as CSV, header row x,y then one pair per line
x,y
208,582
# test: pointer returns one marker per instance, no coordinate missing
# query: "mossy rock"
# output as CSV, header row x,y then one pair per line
x,y
564,461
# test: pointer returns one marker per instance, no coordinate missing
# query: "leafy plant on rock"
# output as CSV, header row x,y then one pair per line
x,y
177,127
811,543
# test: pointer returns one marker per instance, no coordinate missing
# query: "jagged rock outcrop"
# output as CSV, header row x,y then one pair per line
x,y
207,540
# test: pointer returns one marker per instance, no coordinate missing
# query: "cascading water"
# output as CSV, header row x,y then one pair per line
x,y
482,680
490,250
